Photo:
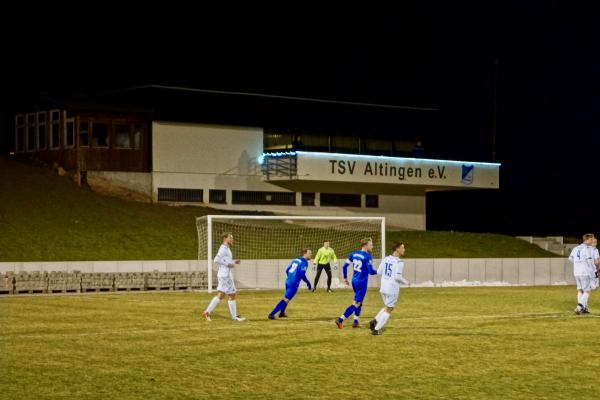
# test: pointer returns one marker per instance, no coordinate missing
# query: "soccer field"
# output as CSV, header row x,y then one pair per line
x,y
518,342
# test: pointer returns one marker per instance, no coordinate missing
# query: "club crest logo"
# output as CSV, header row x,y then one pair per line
x,y
467,174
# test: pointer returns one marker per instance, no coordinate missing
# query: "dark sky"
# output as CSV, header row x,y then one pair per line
x,y
433,55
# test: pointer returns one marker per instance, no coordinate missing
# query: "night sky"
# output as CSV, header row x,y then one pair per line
x,y
443,56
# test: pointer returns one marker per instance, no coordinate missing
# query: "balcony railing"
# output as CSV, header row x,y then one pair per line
x,y
279,165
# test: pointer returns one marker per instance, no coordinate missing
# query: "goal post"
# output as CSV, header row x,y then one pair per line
x,y
258,237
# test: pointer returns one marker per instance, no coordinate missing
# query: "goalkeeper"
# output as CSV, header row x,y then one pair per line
x,y
323,260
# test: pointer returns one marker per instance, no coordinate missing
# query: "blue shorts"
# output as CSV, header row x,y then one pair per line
x,y
360,290
290,291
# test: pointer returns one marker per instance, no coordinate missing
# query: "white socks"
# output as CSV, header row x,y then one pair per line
x,y
378,316
579,294
584,299
382,320
213,303
232,308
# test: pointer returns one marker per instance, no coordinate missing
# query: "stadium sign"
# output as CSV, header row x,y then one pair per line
x,y
395,170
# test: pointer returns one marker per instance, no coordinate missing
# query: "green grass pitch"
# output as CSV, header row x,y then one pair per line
x,y
459,343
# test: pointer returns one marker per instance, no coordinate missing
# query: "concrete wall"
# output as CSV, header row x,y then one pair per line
x,y
270,274
132,185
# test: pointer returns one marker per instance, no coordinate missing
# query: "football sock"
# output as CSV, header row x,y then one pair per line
x,y
382,321
213,303
232,308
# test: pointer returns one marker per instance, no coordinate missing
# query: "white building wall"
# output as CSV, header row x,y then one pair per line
x,y
197,156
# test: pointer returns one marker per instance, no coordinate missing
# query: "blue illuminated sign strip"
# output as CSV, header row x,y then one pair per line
x,y
373,158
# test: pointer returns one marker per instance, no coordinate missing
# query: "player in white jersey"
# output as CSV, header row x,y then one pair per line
x,y
390,269
225,263
583,263
595,272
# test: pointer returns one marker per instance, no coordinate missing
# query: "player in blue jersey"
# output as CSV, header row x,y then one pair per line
x,y
362,265
296,272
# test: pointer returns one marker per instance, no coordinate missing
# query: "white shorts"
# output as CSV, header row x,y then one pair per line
x,y
584,283
226,285
390,300
595,283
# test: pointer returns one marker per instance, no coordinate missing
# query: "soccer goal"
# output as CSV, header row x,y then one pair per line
x,y
264,243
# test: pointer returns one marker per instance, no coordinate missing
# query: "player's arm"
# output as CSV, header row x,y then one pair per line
x,y
305,279
401,279
335,260
372,271
381,268
572,255
399,275
345,269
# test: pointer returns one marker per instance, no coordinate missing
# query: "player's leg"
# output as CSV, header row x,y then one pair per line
x,y
359,297
231,292
390,303
373,322
214,302
359,294
583,286
328,272
580,287
317,276
587,287
289,295
281,306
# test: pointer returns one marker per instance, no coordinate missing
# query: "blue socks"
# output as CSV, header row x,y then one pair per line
x,y
349,311
279,307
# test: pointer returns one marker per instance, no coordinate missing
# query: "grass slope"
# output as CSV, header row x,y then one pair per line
x,y
44,217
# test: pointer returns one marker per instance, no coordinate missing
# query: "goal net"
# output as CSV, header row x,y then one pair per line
x,y
266,244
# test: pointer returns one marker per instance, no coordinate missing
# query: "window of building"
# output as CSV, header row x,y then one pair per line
x,y
31,132
274,198
182,195
378,146
340,200
55,129
217,196
84,133
308,199
70,132
100,134
277,141
345,144
20,133
122,136
372,201
138,129
41,130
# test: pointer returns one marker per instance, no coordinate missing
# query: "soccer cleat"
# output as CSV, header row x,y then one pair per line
x,y
329,291
578,309
206,316
340,324
375,332
585,311
313,290
355,324
282,315
372,324
239,318
271,316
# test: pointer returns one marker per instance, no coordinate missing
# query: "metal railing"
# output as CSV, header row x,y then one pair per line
x,y
280,166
